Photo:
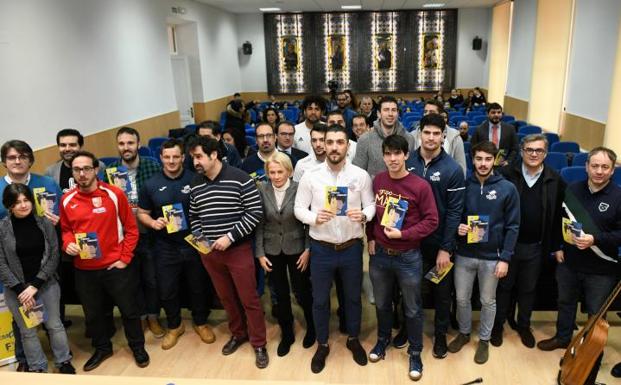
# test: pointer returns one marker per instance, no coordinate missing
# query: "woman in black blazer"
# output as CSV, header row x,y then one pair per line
x,y
282,245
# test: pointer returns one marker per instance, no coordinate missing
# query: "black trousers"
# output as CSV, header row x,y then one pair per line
x,y
120,285
441,291
283,267
174,265
523,274
147,294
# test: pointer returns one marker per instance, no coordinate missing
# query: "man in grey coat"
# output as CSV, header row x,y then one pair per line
x,y
369,154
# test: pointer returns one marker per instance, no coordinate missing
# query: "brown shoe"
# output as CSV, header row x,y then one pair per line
x,y
155,327
552,344
172,336
205,333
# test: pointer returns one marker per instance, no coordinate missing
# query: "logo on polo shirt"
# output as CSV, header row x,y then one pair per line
x,y
186,189
435,177
491,195
603,207
162,188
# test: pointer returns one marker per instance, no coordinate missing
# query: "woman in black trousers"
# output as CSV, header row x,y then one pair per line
x,y
282,245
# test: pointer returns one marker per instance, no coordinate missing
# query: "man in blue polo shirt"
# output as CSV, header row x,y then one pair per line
x,y
163,208
17,157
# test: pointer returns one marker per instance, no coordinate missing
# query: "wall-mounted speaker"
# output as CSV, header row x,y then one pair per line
x,y
477,43
247,48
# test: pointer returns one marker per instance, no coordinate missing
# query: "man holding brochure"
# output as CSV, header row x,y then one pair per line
x,y
394,247
167,195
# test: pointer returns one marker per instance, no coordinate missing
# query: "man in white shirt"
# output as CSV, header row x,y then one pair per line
x,y
336,117
317,157
313,106
336,237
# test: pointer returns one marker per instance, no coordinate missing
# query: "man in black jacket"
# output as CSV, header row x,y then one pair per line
x,y
541,195
503,135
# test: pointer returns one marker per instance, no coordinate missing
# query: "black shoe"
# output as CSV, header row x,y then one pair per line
x,y
66,368
22,367
261,357
285,343
552,344
496,339
319,359
360,356
309,338
231,346
527,337
616,370
401,339
96,359
141,357
439,346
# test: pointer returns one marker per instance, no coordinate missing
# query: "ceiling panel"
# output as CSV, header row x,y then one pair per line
x,y
252,6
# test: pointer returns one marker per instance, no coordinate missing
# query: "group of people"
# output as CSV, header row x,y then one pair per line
x,y
404,194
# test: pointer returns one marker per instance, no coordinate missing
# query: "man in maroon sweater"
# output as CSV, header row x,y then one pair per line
x,y
405,214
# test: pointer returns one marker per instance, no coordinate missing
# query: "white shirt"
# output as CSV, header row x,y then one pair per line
x,y
304,165
302,139
310,198
531,179
279,193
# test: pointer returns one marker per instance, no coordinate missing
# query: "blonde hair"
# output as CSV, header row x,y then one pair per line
x,y
281,159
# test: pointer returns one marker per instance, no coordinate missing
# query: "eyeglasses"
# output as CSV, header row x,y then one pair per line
x,y
265,136
85,169
286,134
13,158
531,151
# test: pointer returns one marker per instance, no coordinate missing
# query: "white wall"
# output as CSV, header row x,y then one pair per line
x,y
187,45
86,64
252,67
472,66
592,60
522,49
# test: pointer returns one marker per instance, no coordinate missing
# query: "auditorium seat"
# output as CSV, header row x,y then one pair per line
x,y
556,160
155,143
580,159
574,174
507,118
552,138
108,160
529,129
565,147
145,151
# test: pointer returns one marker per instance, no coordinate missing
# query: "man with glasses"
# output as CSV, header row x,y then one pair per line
x,y
102,212
17,157
285,131
541,194
266,142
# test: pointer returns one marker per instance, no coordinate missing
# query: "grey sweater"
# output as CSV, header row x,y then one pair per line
x,y
369,154
11,273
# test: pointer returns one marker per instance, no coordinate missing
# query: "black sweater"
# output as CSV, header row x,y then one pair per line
x,y
30,246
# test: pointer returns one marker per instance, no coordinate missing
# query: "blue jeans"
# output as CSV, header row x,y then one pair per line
x,y
325,263
406,270
466,270
49,295
570,283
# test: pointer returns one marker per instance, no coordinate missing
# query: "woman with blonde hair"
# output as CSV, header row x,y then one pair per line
x,y
282,245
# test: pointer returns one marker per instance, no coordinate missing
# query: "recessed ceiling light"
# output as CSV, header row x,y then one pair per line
x,y
273,9
434,5
351,6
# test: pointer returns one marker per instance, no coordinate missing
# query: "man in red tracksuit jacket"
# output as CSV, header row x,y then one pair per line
x,y
100,232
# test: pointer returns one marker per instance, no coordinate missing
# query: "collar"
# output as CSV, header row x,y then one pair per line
x,y
8,179
285,150
284,187
535,175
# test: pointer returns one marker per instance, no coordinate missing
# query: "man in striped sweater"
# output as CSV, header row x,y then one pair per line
x,y
225,208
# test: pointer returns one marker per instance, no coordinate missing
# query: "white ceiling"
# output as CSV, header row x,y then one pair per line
x,y
252,6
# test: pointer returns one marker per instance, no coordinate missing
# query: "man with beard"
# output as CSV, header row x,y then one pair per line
x,y
431,162
69,142
175,260
317,157
140,170
495,201
337,117
99,208
313,106
500,133
225,208
285,131
266,141
369,149
336,241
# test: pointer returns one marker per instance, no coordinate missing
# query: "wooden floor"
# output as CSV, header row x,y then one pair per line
x,y
512,363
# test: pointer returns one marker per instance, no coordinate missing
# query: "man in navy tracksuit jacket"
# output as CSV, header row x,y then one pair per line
x,y
446,178
495,200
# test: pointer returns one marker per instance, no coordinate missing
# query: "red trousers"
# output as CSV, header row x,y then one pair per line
x,y
232,273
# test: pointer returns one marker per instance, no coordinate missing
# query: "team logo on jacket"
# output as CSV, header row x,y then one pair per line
x,y
186,189
97,202
491,195
603,207
435,177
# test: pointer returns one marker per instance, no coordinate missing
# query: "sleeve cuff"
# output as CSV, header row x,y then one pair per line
x,y
37,282
18,288
230,236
